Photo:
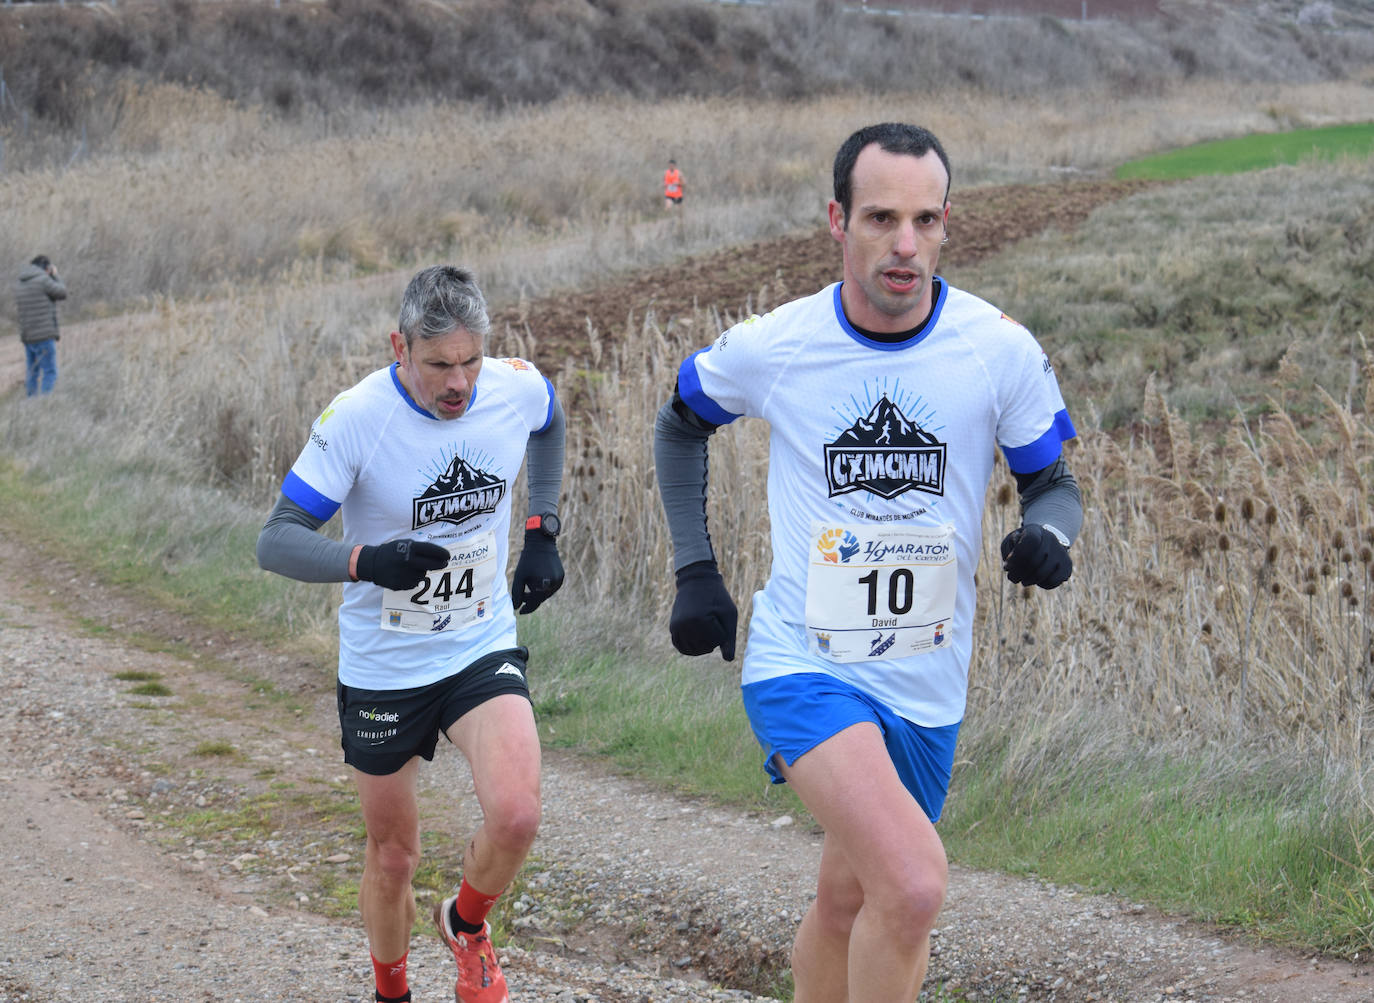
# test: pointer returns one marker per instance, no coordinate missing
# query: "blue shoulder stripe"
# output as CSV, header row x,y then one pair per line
x,y
318,505
1043,451
548,415
689,389
1063,424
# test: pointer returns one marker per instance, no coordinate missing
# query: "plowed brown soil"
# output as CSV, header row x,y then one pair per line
x,y
982,222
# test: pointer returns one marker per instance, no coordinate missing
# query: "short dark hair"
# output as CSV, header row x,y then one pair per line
x,y
893,137
42,261
441,299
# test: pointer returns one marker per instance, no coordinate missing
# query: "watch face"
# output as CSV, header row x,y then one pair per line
x,y
549,524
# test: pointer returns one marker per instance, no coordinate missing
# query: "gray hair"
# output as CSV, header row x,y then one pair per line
x,y
439,300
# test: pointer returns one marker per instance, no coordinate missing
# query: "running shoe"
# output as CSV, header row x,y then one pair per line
x,y
479,976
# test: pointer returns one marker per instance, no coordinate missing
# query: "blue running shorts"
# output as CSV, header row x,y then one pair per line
x,y
793,714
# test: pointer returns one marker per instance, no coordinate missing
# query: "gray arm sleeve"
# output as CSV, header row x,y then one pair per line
x,y
680,464
1051,497
544,456
291,545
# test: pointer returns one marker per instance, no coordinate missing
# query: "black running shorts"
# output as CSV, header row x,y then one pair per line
x,y
383,729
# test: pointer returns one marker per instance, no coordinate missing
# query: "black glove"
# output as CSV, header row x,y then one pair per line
x,y
538,574
704,616
400,564
1034,555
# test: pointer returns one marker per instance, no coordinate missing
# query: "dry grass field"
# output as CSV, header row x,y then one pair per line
x,y
235,261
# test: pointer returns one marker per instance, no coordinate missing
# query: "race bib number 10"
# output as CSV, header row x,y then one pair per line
x,y
880,592
450,598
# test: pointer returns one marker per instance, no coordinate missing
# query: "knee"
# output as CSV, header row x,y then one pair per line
x,y
513,823
394,861
911,907
836,908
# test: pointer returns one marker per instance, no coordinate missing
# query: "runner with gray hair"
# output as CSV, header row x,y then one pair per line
x,y
421,458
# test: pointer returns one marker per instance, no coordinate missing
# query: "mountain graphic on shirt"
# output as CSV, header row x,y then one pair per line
x,y
887,454
459,476
885,425
460,493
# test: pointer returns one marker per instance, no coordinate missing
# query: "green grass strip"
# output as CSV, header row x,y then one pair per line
x,y
1255,152
1253,845
196,559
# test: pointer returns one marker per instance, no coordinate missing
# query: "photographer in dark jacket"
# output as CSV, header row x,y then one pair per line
x,y
36,295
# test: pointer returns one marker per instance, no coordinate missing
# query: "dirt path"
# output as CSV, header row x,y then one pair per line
x,y
188,846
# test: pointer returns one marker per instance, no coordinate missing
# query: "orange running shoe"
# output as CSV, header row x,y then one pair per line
x,y
479,976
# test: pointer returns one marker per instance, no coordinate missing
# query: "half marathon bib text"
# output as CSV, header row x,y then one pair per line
x,y
450,598
879,592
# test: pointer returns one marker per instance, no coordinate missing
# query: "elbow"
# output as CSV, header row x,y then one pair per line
x,y
262,552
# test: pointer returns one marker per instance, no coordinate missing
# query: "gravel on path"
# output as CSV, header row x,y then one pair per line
x,y
632,894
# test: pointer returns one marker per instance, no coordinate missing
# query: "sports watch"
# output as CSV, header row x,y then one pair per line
x,y
1057,533
547,524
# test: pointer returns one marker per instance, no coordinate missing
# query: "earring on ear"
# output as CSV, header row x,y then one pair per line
x,y
945,239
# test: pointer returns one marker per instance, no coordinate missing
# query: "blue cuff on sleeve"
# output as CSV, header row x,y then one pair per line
x,y
689,389
308,498
548,415
1043,451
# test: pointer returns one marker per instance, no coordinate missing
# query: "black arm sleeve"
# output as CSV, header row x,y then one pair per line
x,y
680,438
290,544
1050,497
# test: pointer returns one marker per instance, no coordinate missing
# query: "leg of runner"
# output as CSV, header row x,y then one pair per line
x,y
385,896
820,954
883,875
501,744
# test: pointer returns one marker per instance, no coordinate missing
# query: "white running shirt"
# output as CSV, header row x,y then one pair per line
x,y
398,472
879,460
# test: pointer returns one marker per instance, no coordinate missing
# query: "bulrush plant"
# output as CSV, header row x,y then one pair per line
x,y
623,548
1222,590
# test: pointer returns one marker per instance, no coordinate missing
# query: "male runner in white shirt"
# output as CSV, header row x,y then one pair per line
x,y
421,457
886,395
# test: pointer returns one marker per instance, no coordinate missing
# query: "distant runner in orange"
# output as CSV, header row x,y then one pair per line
x,y
672,185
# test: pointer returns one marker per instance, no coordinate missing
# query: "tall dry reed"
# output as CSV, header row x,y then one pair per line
x,y
1222,590
202,197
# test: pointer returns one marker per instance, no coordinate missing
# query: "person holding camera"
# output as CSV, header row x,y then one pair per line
x,y
36,295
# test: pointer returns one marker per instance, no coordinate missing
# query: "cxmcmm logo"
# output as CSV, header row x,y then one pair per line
x,y
461,493
887,454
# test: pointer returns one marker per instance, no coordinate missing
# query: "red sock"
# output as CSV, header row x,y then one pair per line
x,y
391,977
472,906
